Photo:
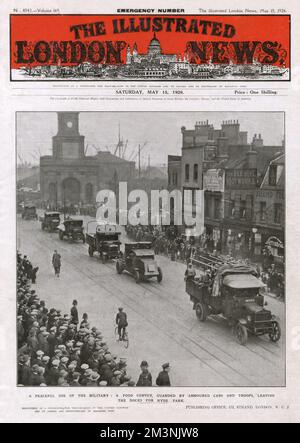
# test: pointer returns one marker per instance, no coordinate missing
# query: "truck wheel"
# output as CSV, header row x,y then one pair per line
x,y
91,251
137,276
119,267
61,235
276,332
160,276
201,311
241,334
43,227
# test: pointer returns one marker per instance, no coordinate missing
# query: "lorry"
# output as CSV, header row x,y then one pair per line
x,y
103,239
232,290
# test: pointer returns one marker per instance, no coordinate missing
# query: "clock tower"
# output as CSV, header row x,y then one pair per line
x,y
68,143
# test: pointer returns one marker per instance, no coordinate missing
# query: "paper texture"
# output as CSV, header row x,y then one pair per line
x,y
149,206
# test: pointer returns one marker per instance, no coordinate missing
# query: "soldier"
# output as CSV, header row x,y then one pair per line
x,y
145,378
163,378
190,272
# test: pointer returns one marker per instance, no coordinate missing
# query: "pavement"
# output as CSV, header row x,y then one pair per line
x,y
162,324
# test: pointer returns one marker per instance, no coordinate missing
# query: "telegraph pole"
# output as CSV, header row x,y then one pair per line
x,y
139,154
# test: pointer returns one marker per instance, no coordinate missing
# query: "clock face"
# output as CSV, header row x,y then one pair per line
x,y
69,124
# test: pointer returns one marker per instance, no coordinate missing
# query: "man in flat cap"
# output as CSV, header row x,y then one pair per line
x,y
24,371
36,378
75,379
54,373
163,378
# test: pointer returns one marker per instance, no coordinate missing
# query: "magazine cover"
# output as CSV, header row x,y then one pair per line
x,y
149,207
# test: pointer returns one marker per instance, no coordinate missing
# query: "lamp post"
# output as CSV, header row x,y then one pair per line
x,y
254,231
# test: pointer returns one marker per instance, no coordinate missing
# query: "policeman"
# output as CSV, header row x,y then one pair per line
x,y
163,378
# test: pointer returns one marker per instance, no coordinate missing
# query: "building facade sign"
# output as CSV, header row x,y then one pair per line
x,y
241,178
213,180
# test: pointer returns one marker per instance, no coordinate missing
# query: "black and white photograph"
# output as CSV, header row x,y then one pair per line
x,y
115,288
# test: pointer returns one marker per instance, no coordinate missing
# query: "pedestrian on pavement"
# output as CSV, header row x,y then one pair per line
x,y
163,378
56,262
74,313
145,378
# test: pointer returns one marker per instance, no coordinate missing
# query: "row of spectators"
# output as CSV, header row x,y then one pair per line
x,y
55,349
87,209
180,248
164,243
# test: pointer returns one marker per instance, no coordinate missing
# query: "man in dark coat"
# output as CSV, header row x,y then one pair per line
x,y
24,371
20,330
121,321
53,374
74,313
56,262
163,378
145,378
33,274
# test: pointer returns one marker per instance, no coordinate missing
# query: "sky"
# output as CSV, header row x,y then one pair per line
x,y
161,131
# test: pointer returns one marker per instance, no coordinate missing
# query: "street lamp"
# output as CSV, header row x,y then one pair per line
x,y
254,231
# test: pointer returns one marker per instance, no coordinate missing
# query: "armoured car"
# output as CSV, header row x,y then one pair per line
x,y
139,261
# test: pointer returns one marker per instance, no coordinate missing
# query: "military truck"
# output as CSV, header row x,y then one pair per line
x,y
71,229
29,212
50,221
233,290
103,239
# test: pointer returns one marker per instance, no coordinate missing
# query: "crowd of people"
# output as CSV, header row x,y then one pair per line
x,y
71,209
164,242
179,248
56,349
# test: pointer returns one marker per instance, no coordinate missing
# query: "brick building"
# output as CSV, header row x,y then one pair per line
x,y
69,176
232,173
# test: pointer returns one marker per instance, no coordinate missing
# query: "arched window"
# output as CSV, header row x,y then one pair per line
x,y
89,193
